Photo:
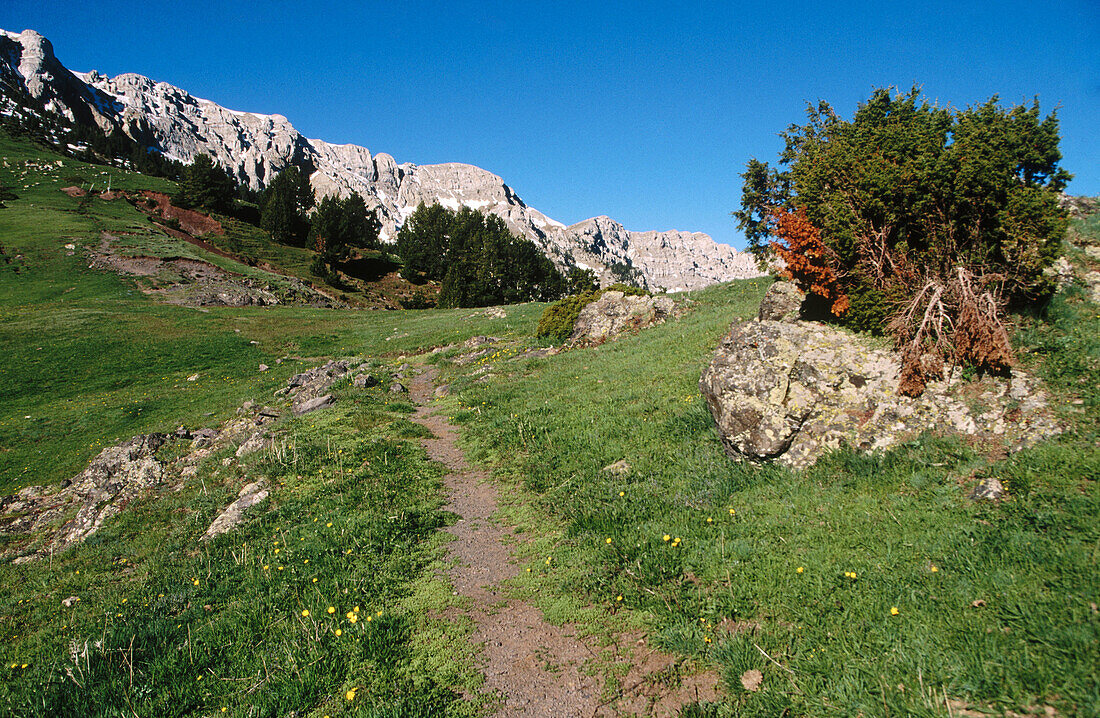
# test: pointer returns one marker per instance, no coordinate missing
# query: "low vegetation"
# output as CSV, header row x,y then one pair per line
x,y
867,584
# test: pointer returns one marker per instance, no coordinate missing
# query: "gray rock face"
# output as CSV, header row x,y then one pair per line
x,y
614,313
782,302
791,391
255,147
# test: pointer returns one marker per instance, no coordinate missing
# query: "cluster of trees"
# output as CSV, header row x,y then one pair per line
x,y
205,185
923,222
336,227
339,226
475,258
478,261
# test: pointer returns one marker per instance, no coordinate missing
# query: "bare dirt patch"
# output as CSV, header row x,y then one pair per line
x,y
537,669
192,282
194,223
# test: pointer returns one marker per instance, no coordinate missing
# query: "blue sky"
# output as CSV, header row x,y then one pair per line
x,y
642,111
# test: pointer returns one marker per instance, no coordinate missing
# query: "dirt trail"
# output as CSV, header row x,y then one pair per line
x,y
538,668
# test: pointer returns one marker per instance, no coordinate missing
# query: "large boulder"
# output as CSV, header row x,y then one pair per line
x,y
791,391
614,313
782,302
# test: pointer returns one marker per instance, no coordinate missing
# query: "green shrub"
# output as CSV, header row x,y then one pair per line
x,y
629,290
557,321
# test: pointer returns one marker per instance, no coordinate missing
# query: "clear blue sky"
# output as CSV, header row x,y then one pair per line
x,y
642,111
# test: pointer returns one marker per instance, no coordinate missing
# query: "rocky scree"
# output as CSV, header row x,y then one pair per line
x,y
120,474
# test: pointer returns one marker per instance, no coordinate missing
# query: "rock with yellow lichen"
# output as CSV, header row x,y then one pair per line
x,y
791,391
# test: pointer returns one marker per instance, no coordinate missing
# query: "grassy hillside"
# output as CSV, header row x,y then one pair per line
x,y
996,604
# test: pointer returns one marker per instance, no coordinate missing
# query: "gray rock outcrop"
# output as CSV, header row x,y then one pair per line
x,y
249,496
614,313
255,147
791,391
114,478
309,405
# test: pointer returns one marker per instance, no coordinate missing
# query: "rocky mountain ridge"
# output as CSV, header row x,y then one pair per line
x,y
255,147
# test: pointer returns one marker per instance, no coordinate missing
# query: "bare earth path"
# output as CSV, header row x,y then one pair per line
x,y
535,666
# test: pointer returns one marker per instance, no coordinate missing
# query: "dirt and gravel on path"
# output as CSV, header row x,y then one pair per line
x,y
537,669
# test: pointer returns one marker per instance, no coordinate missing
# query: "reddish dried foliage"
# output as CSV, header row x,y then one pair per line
x,y
807,258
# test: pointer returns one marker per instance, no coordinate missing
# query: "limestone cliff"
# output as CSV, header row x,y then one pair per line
x,y
255,147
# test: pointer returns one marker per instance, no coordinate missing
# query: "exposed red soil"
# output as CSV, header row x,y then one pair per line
x,y
191,222
537,669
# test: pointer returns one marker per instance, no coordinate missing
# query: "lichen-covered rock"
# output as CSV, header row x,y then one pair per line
x,y
988,489
793,391
116,476
1061,272
1092,284
315,382
782,302
614,313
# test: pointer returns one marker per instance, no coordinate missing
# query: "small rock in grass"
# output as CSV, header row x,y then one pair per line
x,y
751,680
365,380
620,467
233,514
314,404
398,388
264,367
989,489
70,601
443,390
193,377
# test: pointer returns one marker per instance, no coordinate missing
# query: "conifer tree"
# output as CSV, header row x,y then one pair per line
x,y
284,205
205,185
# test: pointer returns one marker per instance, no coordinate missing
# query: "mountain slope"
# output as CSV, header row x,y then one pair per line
x,y
255,147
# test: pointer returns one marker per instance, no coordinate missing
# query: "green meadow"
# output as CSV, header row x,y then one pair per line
x,y
867,585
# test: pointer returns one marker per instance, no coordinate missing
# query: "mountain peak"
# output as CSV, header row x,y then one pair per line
x,y
255,147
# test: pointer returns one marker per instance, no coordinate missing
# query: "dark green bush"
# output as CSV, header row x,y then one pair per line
x,y
558,319
629,290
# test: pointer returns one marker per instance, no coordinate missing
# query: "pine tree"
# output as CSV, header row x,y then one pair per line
x,y
284,205
205,185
